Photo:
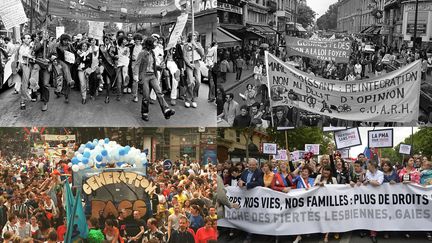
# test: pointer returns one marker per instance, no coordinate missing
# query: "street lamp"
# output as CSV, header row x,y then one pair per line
x,y
415,25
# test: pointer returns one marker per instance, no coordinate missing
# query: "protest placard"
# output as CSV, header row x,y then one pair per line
x,y
178,30
269,148
281,155
96,30
324,50
332,208
314,148
60,30
297,155
404,148
380,138
347,138
392,97
69,57
12,13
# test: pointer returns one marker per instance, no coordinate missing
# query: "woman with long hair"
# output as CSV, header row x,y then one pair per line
x,y
108,52
409,174
268,174
122,77
24,58
282,180
84,68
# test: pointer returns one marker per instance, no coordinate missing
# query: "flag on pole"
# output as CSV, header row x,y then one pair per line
x,y
76,220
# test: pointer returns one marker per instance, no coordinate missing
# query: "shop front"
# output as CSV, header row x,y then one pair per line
x,y
424,22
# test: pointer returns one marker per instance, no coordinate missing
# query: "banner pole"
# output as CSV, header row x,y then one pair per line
x,y
286,140
193,29
268,85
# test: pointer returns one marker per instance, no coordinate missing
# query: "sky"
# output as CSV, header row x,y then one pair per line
x,y
320,6
399,133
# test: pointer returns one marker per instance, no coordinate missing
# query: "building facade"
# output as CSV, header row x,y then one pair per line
x,y
354,16
424,21
232,144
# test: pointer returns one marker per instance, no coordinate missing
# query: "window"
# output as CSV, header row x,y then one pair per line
x,y
237,136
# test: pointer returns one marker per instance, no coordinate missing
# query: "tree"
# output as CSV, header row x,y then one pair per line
x,y
298,137
305,15
329,19
111,28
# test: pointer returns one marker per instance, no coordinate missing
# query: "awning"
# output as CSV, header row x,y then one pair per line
x,y
226,39
261,30
296,27
372,30
243,33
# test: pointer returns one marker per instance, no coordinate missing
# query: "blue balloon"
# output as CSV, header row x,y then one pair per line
x,y
106,140
120,163
86,154
75,160
127,148
95,140
85,161
103,165
99,158
122,152
104,152
88,145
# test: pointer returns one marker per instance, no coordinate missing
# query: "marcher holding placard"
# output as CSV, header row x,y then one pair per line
x,y
409,174
66,57
282,180
25,60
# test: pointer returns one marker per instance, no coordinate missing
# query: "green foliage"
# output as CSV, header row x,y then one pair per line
x,y
297,138
305,15
329,19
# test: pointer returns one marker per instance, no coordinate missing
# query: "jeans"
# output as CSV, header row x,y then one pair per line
x,y
44,78
193,82
83,83
239,73
150,81
25,76
212,84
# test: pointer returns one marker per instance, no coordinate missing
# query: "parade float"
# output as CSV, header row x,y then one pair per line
x,y
111,177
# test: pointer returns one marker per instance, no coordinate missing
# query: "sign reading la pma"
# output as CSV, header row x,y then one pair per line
x,y
113,177
269,148
380,138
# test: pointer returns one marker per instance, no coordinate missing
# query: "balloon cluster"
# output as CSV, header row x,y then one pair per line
x,y
103,152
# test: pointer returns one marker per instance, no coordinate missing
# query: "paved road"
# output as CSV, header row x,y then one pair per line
x,y
96,113
395,237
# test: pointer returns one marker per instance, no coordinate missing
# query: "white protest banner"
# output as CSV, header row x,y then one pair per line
x,y
269,148
320,49
344,153
281,155
69,57
60,30
347,138
391,97
96,30
332,208
404,148
12,13
380,138
314,148
178,30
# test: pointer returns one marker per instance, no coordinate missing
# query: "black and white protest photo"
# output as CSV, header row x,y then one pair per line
x,y
107,63
324,63
326,185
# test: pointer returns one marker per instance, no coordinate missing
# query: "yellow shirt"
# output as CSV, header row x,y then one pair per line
x,y
268,179
214,217
181,198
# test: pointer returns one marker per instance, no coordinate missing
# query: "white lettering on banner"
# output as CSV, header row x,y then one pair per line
x,y
392,97
332,208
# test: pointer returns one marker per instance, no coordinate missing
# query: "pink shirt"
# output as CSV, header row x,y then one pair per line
x,y
413,175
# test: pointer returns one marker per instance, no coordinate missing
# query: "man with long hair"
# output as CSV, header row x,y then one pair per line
x,y
146,71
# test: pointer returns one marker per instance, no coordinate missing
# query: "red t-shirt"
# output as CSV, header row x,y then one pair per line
x,y
61,231
203,235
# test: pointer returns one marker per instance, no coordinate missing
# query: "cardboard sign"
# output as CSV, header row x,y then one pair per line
x,y
380,138
324,50
96,30
314,148
344,153
69,57
404,148
297,155
392,97
281,155
347,138
269,148
178,30
60,30
12,13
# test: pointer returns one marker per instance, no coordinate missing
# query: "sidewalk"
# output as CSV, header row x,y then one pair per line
x,y
231,83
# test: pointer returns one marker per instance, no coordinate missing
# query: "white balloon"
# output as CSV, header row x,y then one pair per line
x,y
75,168
79,157
86,150
70,164
81,150
90,163
81,166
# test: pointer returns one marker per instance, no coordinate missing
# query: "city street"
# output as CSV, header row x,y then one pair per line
x,y
351,237
96,113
